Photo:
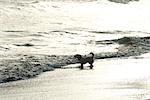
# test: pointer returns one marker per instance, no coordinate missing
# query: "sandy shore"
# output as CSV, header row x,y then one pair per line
x,y
114,79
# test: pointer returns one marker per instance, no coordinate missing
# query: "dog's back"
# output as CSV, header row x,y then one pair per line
x,y
86,59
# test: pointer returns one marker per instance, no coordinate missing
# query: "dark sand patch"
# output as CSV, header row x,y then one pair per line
x,y
129,46
31,66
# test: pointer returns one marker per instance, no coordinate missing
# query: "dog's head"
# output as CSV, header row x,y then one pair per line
x,y
78,56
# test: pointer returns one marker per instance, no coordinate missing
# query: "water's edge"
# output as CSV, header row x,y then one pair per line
x,y
27,66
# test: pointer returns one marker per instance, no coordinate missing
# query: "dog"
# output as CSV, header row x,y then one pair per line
x,y
85,59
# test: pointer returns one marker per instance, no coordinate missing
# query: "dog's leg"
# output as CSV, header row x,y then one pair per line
x,y
81,66
91,66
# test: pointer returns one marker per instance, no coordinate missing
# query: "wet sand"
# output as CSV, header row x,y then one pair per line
x,y
113,79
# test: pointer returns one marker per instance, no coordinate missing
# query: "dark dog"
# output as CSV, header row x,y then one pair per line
x,y
86,59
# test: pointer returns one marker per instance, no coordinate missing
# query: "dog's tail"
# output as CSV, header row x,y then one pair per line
x,y
92,54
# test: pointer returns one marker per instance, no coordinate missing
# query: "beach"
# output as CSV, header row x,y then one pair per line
x,y
125,79
38,41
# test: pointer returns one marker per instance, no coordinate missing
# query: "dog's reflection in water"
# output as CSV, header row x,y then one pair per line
x,y
86,59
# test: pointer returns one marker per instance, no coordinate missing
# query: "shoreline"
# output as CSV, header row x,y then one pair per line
x,y
29,66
